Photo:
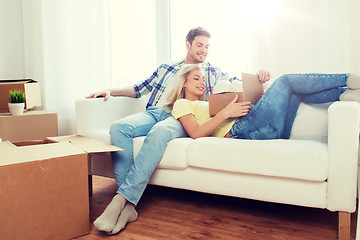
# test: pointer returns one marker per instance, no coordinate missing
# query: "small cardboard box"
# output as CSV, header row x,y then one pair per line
x,y
44,187
219,101
29,86
30,126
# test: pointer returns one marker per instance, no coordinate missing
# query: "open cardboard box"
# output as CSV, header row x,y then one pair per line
x,y
29,86
218,101
31,125
44,187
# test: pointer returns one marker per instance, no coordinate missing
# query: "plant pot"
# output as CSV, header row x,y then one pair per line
x,y
16,108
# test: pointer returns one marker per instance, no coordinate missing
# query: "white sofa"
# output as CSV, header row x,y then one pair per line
x,y
317,167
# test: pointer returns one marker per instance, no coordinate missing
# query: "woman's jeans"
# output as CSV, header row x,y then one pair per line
x,y
159,127
273,116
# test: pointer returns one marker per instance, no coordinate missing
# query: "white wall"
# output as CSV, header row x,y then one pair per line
x,y
353,46
64,45
317,38
67,51
12,65
281,36
34,44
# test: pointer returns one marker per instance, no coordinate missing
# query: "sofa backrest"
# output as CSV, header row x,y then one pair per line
x,y
311,122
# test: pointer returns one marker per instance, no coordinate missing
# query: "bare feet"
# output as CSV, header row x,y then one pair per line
x,y
107,220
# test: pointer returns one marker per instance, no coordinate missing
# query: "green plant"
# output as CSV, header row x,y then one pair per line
x,y
16,96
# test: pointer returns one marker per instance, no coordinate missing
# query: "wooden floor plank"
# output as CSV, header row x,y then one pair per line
x,y
172,214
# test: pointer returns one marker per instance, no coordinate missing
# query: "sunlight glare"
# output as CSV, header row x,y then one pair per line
x,y
263,11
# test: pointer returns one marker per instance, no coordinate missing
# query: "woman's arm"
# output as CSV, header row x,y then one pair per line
x,y
209,127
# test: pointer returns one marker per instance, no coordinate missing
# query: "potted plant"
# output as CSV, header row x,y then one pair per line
x,y
16,102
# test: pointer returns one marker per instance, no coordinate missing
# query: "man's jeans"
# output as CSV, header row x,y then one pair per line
x,y
273,116
159,127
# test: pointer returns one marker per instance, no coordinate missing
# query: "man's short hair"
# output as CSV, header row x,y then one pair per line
x,y
199,31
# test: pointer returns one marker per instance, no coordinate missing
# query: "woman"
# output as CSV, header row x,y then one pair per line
x,y
271,118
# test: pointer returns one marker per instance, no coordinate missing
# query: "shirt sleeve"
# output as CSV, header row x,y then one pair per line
x,y
223,75
147,85
181,108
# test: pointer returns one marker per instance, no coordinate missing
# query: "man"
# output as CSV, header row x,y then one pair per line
x,y
157,124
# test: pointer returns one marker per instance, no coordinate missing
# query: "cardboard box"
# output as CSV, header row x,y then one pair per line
x,y
44,187
30,126
219,101
29,86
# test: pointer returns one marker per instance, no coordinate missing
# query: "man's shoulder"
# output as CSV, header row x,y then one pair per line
x,y
170,65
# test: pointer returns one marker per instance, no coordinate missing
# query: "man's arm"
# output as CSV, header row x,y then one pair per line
x,y
262,75
125,92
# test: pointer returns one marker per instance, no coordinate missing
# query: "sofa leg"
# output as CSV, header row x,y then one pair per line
x,y
344,226
90,183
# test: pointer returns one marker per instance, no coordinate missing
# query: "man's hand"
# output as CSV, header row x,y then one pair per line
x,y
263,76
105,94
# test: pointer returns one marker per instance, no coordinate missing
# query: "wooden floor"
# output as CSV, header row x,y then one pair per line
x,y
166,213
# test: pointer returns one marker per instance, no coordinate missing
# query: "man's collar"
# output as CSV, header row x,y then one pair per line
x,y
183,62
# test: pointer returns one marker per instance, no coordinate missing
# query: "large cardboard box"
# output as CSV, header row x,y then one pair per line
x,y
29,86
219,101
44,187
30,126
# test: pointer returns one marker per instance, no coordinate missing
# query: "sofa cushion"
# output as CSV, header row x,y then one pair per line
x,y
299,159
175,153
311,122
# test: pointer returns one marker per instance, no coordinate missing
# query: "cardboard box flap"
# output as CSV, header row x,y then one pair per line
x,y
4,81
87,144
7,155
13,155
6,145
33,95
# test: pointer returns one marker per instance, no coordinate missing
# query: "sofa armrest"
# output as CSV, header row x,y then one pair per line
x,y
343,142
97,114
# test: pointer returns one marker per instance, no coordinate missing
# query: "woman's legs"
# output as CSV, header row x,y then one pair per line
x,y
273,116
331,95
293,106
266,119
315,82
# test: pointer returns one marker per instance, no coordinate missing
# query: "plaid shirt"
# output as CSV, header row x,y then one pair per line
x,y
159,79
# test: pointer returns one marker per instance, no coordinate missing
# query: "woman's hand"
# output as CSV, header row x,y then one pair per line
x,y
263,76
235,109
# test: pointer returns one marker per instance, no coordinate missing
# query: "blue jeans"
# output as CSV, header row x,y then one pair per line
x,y
159,127
272,117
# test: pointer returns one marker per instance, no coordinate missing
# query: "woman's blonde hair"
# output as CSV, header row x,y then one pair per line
x,y
182,74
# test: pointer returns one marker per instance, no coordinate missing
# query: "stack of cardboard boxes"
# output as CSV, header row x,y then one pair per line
x,y
43,177
31,125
